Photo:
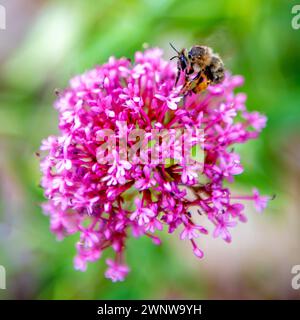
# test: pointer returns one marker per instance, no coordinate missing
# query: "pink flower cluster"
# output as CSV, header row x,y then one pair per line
x,y
105,203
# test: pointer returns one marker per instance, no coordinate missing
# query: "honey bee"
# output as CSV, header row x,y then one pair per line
x,y
201,67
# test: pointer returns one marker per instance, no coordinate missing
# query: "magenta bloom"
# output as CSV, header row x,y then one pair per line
x,y
116,271
106,194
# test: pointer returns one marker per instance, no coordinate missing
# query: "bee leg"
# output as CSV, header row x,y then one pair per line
x,y
187,86
190,83
201,84
190,71
177,77
198,76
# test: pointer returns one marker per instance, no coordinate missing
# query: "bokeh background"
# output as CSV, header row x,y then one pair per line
x,y
47,42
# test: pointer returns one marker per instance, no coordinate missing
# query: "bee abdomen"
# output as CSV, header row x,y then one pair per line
x,y
215,71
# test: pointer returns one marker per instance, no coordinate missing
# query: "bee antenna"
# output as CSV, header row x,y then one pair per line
x,y
173,57
173,48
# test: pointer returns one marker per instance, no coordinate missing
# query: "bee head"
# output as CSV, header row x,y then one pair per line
x,y
183,62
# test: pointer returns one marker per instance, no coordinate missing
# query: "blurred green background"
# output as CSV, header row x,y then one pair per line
x,y
47,42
